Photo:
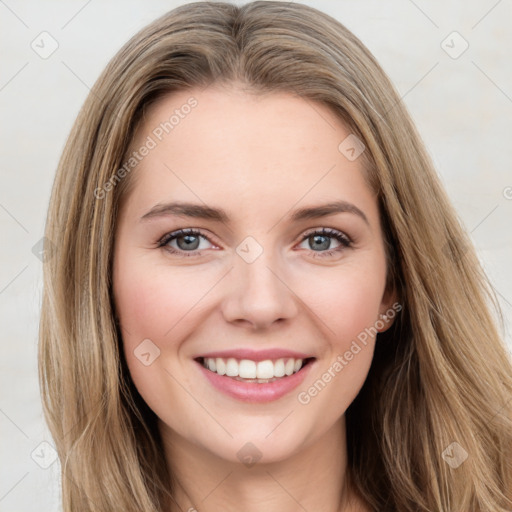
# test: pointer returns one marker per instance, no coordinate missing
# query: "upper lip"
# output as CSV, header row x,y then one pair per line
x,y
256,355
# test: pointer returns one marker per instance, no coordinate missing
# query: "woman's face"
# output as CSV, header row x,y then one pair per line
x,y
257,289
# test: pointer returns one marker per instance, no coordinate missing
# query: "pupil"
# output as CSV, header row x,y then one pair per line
x,y
189,241
317,239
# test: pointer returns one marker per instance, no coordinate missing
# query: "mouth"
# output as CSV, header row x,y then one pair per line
x,y
255,381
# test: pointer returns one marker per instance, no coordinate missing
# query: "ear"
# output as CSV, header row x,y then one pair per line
x,y
389,309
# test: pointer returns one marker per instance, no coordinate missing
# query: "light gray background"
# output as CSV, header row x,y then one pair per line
x,y
462,107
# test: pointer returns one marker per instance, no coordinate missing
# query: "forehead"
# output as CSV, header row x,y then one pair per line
x,y
246,152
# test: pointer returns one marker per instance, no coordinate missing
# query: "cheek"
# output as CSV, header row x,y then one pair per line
x,y
351,316
154,311
348,306
151,302
347,303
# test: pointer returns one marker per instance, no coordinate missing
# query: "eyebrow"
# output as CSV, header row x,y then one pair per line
x,y
198,211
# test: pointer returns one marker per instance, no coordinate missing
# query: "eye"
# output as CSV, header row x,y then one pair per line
x,y
187,242
319,241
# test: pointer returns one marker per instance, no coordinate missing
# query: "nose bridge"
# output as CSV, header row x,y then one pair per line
x,y
258,292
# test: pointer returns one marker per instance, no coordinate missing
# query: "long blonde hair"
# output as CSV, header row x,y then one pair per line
x,y
441,375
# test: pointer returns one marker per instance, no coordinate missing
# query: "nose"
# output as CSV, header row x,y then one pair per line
x,y
257,294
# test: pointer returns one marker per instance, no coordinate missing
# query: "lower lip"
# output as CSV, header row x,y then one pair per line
x,y
252,391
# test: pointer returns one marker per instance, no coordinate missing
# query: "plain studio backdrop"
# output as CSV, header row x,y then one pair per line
x,y
451,62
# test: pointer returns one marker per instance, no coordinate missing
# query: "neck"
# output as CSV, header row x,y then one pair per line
x,y
314,478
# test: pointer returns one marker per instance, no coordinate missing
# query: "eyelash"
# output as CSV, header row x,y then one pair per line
x,y
344,240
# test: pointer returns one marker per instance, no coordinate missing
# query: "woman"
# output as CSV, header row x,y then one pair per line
x,y
261,297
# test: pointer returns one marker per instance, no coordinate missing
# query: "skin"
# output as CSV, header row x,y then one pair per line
x,y
258,158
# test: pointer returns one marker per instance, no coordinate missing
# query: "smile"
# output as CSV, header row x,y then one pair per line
x,y
253,371
251,380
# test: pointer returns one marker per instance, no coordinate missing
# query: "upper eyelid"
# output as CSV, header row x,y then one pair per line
x,y
325,231
172,235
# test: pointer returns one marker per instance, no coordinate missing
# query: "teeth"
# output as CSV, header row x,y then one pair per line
x,y
231,368
263,370
220,366
279,368
247,369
